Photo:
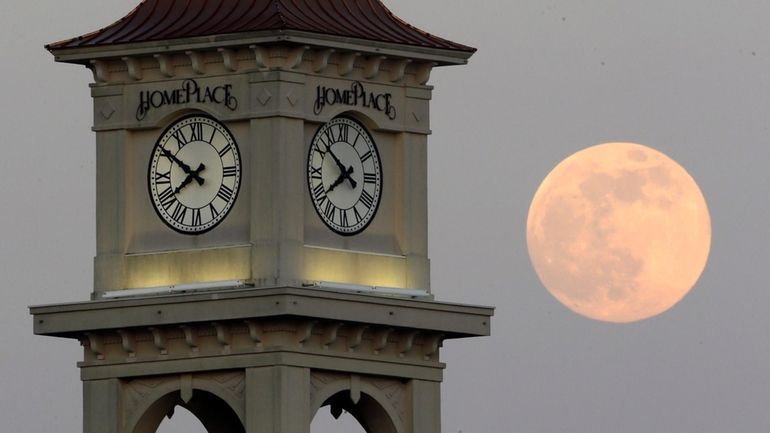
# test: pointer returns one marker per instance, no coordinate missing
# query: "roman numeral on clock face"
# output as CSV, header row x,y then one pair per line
x,y
213,210
315,173
319,192
224,150
163,178
344,132
329,211
229,171
167,198
329,137
196,217
352,175
366,199
225,193
181,140
179,212
194,174
196,132
318,150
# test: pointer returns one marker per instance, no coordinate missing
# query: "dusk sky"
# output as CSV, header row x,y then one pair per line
x,y
688,78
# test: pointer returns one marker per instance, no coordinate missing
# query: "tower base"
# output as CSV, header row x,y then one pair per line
x,y
262,360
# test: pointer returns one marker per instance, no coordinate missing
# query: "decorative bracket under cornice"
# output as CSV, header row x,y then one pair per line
x,y
257,336
330,62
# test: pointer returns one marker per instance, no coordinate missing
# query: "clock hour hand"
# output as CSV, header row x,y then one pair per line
x,y
186,168
190,177
343,176
344,172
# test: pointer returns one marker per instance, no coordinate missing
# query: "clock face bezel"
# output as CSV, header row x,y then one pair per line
x,y
314,182
221,130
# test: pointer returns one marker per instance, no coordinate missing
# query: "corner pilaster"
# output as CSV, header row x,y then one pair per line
x,y
278,399
101,406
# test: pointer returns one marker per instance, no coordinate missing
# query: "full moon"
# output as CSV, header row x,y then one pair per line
x,y
618,232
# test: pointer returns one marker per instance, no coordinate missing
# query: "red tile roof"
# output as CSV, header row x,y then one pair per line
x,y
155,20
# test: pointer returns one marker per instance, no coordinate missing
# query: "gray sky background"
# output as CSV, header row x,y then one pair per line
x,y
689,78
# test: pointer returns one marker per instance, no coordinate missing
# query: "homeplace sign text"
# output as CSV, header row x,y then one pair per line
x,y
356,96
189,93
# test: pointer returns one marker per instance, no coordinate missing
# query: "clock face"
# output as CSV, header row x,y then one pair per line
x,y
344,176
194,174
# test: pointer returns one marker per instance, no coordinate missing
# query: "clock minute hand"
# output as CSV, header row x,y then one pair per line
x,y
346,175
336,160
190,177
343,176
186,168
199,179
173,158
345,172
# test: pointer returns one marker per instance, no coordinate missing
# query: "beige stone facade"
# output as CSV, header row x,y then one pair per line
x,y
272,235
262,360
264,356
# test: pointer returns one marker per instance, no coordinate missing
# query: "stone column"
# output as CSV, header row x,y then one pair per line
x,y
425,407
101,406
278,399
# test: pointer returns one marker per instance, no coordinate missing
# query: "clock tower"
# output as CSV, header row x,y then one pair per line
x,y
261,213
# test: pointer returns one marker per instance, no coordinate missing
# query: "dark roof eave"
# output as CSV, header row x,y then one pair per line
x,y
441,56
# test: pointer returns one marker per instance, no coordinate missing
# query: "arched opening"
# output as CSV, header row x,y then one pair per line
x,y
325,422
338,414
215,415
182,421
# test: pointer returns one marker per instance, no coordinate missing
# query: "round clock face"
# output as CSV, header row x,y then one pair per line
x,y
194,174
344,176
